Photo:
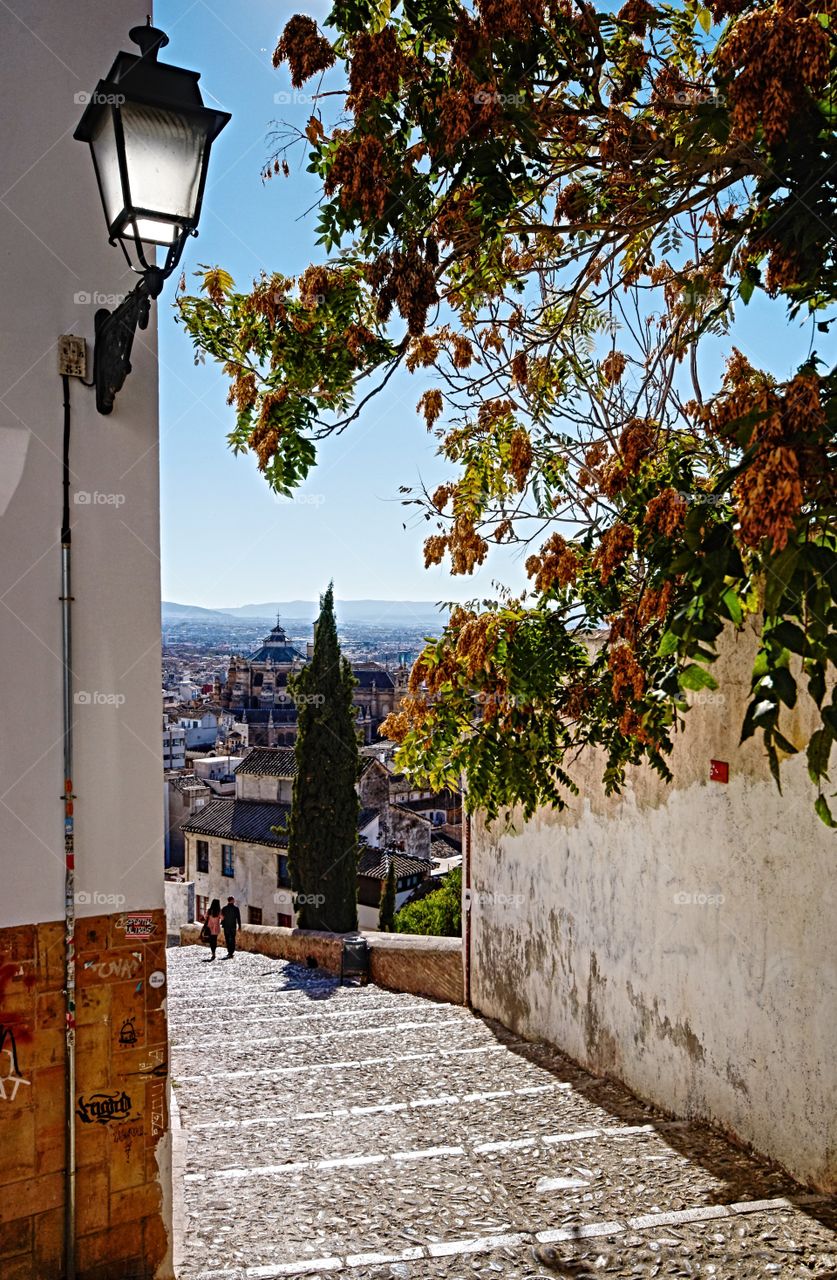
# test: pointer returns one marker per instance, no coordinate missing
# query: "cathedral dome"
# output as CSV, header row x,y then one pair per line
x,y
277,648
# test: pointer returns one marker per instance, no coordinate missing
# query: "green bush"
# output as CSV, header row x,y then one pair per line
x,y
439,914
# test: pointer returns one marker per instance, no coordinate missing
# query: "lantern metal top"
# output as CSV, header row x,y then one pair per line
x,y
150,39
142,78
141,82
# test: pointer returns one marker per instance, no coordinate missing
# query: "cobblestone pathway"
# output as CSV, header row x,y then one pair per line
x,y
376,1135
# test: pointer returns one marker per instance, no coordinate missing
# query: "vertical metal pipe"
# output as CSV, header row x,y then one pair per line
x,y
466,897
69,859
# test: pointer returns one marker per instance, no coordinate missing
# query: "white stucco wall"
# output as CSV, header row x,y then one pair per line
x,y
54,257
254,883
180,906
201,737
256,786
681,939
367,917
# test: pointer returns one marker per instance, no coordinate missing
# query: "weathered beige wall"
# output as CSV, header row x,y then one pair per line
x,y
681,939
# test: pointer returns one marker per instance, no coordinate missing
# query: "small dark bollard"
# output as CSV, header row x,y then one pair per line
x,y
354,960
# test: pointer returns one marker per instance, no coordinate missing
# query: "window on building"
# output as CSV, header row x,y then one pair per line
x,y
227,860
283,879
202,850
284,922
254,915
201,906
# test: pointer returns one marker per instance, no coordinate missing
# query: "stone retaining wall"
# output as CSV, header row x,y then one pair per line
x,y
411,963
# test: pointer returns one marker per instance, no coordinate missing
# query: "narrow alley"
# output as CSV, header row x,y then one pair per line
x,y
359,1131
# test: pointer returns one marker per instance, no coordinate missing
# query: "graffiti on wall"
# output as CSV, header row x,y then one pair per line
x,y
155,1066
158,1109
123,967
140,925
127,1032
10,1074
125,1135
103,1108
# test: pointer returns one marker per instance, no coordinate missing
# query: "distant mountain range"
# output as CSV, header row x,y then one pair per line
x,y
183,612
401,612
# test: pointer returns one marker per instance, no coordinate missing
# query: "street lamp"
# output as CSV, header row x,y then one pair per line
x,y
150,136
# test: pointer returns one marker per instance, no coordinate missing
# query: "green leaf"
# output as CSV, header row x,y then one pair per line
x,y
695,677
829,715
764,712
819,750
761,666
733,605
786,746
218,278
782,683
778,575
789,636
746,285
748,728
668,644
823,812
704,17
816,684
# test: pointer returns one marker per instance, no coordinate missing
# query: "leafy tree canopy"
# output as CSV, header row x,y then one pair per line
x,y
547,209
439,914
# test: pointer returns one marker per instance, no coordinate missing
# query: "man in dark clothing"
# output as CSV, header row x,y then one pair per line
x,y
230,923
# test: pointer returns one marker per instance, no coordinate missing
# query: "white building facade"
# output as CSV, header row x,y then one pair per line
x,y
174,746
58,270
236,845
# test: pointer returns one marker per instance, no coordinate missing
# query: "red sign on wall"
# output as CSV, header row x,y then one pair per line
x,y
718,771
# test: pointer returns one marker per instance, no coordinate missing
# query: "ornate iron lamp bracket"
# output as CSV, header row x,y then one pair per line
x,y
114,339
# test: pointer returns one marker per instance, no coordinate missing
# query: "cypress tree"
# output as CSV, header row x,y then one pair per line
x,y
322,831
386,913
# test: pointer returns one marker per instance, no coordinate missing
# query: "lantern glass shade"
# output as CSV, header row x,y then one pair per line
x,y
106,161
150,136
150,163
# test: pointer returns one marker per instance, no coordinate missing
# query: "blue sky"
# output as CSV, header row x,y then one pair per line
x,y
226,539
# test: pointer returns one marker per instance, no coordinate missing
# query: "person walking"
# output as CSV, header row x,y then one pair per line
x,y
212,926
231,923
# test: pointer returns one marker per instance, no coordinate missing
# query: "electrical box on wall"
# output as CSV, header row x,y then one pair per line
x,y
72,356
